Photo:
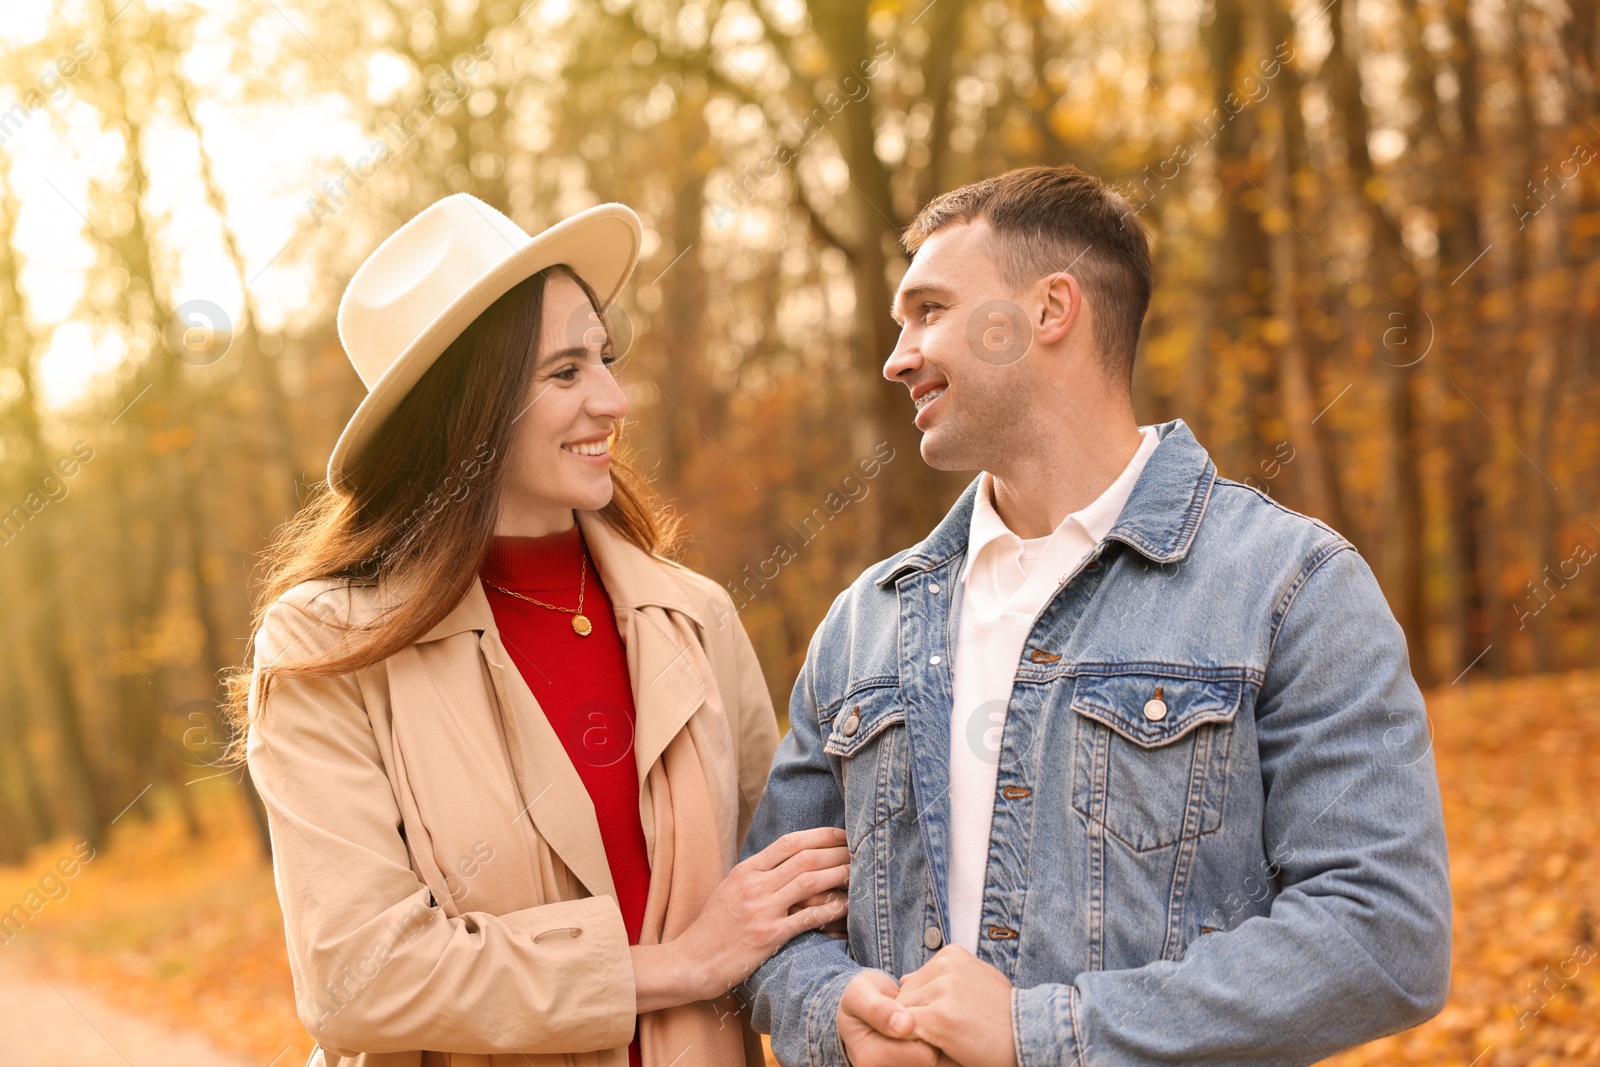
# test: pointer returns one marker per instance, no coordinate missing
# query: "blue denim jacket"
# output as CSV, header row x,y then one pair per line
x,y
1257,876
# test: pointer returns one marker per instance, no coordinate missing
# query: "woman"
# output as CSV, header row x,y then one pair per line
x,y
507,750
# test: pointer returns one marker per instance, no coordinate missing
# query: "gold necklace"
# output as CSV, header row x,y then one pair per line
x,y
580,622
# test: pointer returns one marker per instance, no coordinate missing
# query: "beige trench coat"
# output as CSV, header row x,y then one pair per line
x,y
530,953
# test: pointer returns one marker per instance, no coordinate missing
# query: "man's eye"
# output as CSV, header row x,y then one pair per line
x,y
928,309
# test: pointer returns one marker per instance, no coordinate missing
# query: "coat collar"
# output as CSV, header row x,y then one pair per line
x,y
633,579
1160,519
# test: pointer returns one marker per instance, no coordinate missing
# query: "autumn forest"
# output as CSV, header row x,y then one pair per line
x,y
1376,235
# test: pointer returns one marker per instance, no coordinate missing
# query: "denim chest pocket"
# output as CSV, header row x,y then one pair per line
x,y
1150,762
868,736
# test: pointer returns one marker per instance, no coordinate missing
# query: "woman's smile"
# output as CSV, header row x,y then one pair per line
x,y
595,451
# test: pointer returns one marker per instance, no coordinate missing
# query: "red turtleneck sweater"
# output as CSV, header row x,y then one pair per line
x,y
582,685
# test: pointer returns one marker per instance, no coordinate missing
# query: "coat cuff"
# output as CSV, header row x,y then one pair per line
x,y
1044,1025
601,941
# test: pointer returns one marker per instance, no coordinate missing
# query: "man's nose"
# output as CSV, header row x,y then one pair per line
x,y
903,359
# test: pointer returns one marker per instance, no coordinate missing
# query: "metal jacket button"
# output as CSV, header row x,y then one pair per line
x,y
932,938
851,725
1155,709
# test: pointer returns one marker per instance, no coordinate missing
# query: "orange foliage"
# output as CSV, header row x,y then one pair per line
x,y
171,929
1518,772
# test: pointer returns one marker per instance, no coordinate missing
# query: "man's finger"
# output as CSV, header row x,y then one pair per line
x,y
872,1003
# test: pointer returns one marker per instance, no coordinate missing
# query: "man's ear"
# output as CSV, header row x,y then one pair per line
x,y
1060,305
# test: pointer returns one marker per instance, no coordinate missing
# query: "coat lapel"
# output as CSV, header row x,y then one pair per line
x,y
645,594
555,798
667,690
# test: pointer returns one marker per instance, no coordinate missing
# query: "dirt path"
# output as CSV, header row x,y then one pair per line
x,y
47,1024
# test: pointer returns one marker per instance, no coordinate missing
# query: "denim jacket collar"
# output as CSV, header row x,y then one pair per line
x,y
1159,520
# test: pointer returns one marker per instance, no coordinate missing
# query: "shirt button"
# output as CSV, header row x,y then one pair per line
x,y
932,938
933,588
933,660
851,725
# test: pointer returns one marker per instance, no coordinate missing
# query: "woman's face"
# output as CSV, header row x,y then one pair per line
x,y
561,446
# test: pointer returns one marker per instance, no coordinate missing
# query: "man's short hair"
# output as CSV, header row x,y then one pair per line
x,y
1048,219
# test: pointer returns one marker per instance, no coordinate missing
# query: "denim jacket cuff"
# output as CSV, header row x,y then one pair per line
x,y
825,1047
1044,1026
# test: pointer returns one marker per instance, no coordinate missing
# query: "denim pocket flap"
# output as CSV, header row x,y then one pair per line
x,y
861,718
1153,709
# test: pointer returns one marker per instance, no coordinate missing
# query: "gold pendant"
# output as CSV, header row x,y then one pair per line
x,y
580,623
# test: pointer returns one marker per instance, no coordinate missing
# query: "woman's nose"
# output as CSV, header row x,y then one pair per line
x,y
608,400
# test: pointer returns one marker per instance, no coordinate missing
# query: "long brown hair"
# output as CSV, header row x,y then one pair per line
x,y
421,501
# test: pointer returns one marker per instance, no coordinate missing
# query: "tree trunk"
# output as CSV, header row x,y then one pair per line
x,y
1402,560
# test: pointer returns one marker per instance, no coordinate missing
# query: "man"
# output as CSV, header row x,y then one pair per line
x,y
1129,757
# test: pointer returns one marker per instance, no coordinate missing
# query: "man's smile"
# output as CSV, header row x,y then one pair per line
x,y
927,393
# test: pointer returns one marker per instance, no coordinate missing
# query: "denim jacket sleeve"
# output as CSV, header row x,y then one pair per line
x,y
1357,942
795,995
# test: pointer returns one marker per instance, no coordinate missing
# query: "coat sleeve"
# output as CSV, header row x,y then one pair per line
x,y
1357,942
377,966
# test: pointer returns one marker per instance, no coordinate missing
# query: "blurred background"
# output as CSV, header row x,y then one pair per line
x,y
1375,228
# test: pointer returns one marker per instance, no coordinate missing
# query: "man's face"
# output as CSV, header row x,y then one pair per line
x,y
963,339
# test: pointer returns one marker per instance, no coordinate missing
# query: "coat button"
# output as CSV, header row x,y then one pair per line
x,y
932,938
851,725
1155,709
933,660
933,589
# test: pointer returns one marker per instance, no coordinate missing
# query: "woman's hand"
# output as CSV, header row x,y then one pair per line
x,y
764,901
836,928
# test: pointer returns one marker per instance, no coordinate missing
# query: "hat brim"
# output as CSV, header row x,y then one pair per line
x,y
600,244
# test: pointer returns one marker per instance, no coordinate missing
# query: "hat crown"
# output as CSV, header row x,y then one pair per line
x,y
416,273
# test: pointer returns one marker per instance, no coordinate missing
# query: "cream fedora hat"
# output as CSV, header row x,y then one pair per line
x,y
428,280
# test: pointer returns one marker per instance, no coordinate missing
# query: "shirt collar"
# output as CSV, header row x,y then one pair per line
x,y
987,526
1096,517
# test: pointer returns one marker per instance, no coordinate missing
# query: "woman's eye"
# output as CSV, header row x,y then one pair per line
x,y
570,372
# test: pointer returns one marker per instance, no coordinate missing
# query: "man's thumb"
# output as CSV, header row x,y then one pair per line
x,y
879,1007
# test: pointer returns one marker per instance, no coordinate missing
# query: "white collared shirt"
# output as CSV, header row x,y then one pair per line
x,y
1008,581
